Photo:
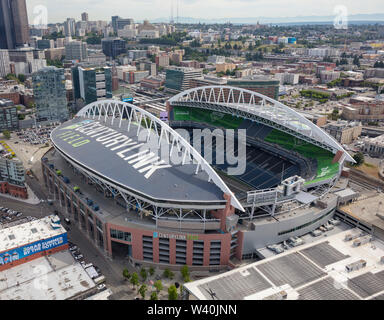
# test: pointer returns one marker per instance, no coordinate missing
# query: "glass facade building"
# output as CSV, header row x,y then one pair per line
x,y
113,47
50,94
8,116
92,84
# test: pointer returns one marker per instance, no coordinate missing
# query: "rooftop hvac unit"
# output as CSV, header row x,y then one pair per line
x,y
356,265
349,236
361,241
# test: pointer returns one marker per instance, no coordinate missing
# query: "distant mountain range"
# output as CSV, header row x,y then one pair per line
x,y
355,18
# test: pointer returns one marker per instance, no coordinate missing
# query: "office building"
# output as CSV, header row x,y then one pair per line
x,y
4,63
114,23
26,60
343,131
54,53
137,54
8,116
287,78
121,23
180,78
84,16
265,86
91,84
14,28
113,47
137,76
76,50
162,60
45,44
50,94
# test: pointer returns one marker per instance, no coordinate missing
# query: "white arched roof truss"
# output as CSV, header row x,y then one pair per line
x,y
258,107
115,110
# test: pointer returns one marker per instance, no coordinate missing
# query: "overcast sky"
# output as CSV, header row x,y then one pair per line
x,y
59,10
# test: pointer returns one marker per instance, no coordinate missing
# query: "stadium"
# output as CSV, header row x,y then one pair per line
x,y
132,201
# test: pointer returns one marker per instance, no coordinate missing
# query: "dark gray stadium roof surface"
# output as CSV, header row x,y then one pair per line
x,y
177,183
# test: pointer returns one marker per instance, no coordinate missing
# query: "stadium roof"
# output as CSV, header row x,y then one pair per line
x,y
122,154
258,107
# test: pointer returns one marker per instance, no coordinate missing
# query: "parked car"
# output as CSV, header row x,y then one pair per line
x,y
67,221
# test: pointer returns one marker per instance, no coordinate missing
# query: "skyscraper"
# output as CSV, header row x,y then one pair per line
x,y
84,16
14,28
70,27
50,94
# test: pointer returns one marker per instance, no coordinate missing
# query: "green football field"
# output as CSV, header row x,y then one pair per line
x,y
325,168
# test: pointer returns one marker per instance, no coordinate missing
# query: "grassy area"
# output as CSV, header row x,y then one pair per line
x,y
325,168
210,117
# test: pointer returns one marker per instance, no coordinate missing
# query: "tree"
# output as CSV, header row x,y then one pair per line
x,y
134,279
151,271
154,296
185,272
168,273
359,158
6,134
126,274
143,290
143,274
21,77
172,293
158,285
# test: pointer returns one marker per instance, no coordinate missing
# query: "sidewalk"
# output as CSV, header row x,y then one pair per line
x,y
32,198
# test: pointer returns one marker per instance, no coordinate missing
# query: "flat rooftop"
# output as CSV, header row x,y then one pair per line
x,y
54,277
29,232
368,208
135,170
315,271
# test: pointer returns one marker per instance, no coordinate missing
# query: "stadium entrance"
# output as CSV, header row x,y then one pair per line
x,y
121,250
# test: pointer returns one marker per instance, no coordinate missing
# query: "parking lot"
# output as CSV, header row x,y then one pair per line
x,y
10,218
36,136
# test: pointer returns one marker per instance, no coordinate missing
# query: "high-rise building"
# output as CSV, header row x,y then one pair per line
x,y
4,63
76,50
114,23
14,28
113,47
8,116
121,23
180,78
70,27
50,94
84,16
91,84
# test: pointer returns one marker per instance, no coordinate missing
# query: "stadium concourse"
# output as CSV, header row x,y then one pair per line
x,y
174,207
